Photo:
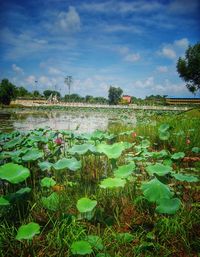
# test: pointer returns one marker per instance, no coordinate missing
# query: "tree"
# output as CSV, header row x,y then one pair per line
x,y
36,93
114,95
21,91
47,93
7,92
189,68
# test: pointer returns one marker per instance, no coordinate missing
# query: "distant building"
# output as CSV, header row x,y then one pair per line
x,y
175,100
126,98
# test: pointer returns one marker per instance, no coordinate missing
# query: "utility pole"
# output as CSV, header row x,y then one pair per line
x,y
68,81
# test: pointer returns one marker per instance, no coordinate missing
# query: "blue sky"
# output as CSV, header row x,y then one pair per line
x,y
131,44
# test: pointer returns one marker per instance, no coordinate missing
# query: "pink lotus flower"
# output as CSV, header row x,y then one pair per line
x,y
58,141
134,134
188,141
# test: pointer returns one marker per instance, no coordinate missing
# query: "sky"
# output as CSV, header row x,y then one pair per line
x,y
134,44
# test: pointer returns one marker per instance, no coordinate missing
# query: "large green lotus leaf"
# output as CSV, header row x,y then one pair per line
x,y
196,149
103,255
33,155
168,206
154,190
164,127
28,231
112,183
14,173
145,143
71,164
48,182
51,202
160,154
125,170
97,135
3,201
111,151
164,135
85,204
179,155
185,177
37,138
159,169
124,238
19,194
45,165
95,242
12,143
81,248
82,149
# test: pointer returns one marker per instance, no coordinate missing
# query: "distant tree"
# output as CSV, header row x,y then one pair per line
x,y
114,95
21,92
100,100
189,68
36,93
48,92
7,92
89,98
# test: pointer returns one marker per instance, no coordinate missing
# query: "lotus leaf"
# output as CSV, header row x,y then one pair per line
x,y
12,143
95,242
154,190
164,127
112,183
81,248
14,173
168,206
185,177
145,143
158,169
33,155
82,149
124,238
3,201
125,170
45,165
196,149
179,155
48,182
85,204
28,231
51,202
111,151
71,164
164,135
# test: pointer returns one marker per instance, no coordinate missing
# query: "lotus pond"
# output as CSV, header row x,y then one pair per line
x,y
125,191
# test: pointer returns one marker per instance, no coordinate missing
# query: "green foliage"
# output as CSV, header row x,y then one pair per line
x,y
14,173
112,183
188,67
48,92
27,232
71,164
81,248
51,202
7,92
154,190
158,169
114,95
86,205
48,182
125,170
168,206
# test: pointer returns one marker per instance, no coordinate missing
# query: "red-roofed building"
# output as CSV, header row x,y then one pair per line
x,y
127,98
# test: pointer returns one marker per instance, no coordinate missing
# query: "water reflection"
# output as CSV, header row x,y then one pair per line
x,y
79,121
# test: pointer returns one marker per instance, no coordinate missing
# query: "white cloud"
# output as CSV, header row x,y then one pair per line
x,y
54,71
17,69
182,42
168,52
69,21
121,28
162,69
132,57
31,80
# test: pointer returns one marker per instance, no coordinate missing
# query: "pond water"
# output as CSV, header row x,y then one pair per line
x,y
81,121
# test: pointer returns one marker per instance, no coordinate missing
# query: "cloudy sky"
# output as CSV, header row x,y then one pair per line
x,y
131,44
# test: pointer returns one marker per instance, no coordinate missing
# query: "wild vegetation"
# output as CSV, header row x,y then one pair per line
x,y
127,191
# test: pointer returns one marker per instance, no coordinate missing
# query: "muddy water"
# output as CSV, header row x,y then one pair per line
x,y
71,120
